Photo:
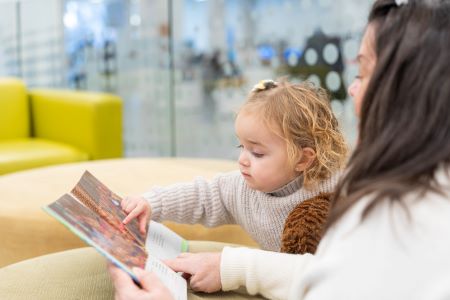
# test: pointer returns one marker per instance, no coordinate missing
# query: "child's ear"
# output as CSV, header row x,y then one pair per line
x,y
307,157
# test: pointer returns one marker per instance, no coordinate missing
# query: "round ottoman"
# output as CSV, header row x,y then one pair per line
x,y
79,274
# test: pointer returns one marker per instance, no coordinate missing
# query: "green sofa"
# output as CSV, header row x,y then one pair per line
x,y
41,127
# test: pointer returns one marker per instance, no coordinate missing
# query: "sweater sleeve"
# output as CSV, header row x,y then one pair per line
x,y
201,201
261,272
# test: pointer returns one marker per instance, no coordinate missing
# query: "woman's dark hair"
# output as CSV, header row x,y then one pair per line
x,y
404,131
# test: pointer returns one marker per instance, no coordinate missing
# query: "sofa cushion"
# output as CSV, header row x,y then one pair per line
x,y
14,109
26,153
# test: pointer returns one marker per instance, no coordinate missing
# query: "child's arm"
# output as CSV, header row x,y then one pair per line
x,y
200,201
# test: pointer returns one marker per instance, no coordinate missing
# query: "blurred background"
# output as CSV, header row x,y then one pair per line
x,y
183,67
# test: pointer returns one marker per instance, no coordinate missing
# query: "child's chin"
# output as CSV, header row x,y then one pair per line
x,y
251,185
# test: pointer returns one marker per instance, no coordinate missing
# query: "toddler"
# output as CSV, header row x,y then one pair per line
x,y
291,150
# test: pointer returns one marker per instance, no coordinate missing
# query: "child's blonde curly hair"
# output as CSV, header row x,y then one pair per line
x,y
301,115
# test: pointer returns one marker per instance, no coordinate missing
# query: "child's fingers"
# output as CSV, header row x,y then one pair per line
x,y
133,214
142,223
124,202
131,206
127,201
144,217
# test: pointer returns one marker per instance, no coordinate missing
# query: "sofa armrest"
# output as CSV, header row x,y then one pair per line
x,y
14,118
89,121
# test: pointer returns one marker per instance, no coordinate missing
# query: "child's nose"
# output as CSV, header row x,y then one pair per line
x,y
243,159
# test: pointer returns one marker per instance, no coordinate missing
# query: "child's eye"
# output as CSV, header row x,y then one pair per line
x,y
358,77
240,146
258,155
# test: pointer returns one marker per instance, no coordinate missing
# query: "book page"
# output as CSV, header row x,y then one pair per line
x,y
99,198
174,282
163,243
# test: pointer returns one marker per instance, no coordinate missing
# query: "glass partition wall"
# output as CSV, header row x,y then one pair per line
x,y
183,67
9,39
123,47
31,44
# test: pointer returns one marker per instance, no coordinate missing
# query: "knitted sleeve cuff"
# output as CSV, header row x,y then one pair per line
x,y
154,199
232,268
271,274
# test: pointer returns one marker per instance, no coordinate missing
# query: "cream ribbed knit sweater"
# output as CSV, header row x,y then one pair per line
x,y
227,199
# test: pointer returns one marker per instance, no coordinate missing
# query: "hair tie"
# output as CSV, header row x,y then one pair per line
x,y
401,2
266,84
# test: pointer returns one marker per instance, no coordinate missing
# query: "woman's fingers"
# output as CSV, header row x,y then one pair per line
x,y
180,264
121,279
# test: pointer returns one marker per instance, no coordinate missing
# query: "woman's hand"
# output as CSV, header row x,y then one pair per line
x,y
137,207
201,269
126,289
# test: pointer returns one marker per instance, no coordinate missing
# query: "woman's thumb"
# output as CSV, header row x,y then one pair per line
x,y
145,278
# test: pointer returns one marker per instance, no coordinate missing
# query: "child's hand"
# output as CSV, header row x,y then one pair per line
x,y
137,206
203,268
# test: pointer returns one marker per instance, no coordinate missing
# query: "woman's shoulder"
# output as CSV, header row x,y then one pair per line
x,y
401,220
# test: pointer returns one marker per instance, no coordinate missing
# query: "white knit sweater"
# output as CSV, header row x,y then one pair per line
x,y
227,199
390,255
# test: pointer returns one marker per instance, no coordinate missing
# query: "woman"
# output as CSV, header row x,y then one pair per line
x,y
388,234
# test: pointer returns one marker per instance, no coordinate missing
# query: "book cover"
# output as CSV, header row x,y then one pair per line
x,y
93,212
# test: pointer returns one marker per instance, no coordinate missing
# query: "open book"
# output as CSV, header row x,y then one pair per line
x,y
93,212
